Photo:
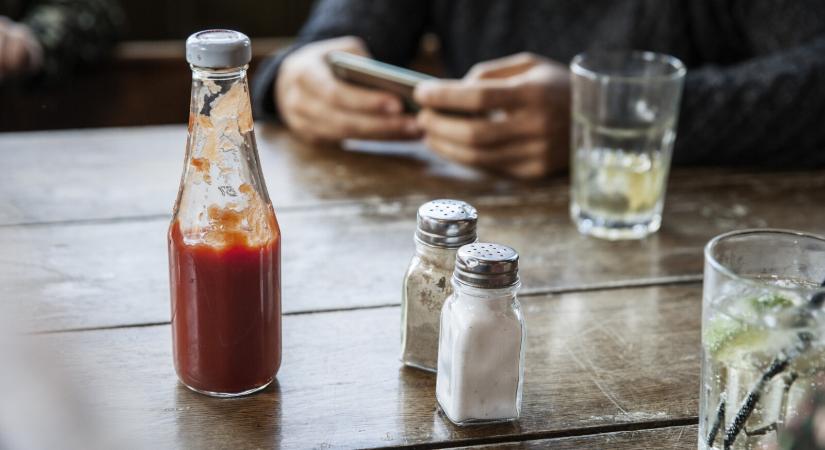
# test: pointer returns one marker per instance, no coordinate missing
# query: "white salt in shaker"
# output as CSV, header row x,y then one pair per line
x,y
443,227
481,347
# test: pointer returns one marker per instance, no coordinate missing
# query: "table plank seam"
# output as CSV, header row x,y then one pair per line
x,y
614,285
93,221
100,328
556,434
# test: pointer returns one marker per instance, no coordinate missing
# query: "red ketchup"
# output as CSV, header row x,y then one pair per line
x,y
226,317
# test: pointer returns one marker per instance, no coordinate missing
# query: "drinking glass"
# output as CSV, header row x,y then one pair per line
x,y
762,335
625,105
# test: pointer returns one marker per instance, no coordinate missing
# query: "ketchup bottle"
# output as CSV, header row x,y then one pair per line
x,y
224,240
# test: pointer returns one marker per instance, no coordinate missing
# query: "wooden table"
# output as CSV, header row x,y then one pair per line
x,y
613,328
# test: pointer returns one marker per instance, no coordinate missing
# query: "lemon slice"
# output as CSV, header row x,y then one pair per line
x,y
770,302
730,340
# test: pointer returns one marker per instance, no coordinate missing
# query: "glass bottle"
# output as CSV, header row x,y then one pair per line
x,y
443,227
224,240
481,347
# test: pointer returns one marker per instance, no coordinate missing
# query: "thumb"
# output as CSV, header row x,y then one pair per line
x,y
354,45
349,44
505,67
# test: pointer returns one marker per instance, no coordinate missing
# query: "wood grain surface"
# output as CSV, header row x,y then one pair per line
x,y
106,273
613,327
595,362
135,172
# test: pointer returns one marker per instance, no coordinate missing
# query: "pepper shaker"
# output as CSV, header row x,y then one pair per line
x,y
481,346
443,226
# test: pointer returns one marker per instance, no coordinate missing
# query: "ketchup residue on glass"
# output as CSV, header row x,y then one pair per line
x,y
226,318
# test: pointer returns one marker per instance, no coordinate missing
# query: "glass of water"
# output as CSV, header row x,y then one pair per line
x,y
625,105
763,335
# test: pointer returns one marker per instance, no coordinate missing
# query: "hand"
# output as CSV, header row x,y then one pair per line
x,y
518,121
322,108
20,52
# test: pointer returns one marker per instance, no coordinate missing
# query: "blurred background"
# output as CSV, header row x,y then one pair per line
x,y
148,58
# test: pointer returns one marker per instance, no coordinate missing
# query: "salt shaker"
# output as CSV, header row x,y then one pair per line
x,y
443,226
481,347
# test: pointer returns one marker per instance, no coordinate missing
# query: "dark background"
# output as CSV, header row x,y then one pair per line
x,y
177,19
146,80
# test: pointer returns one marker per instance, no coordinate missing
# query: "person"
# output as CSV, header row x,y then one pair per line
x,y
48,39
754,93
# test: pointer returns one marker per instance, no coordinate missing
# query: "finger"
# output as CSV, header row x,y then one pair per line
x,y
484,131
528,170
323,83
350,44
343,125
479,95
340,124
502,156
14,55
307,131
503,67
32,49
3,39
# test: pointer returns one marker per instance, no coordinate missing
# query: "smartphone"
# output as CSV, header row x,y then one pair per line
x,y
378,75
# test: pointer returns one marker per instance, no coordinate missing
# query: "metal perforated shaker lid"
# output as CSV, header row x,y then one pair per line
x,y
486,265
446,223
218,49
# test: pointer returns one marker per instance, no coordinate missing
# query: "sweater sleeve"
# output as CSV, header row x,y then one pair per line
x,y
767,108
391,30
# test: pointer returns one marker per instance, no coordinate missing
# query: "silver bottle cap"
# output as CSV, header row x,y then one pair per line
x,y
218,49
484,265
446,223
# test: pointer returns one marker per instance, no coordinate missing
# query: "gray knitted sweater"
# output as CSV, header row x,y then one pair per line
x,y
755,90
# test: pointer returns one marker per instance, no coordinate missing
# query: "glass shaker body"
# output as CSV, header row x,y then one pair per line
x,y
481,354
224,246
426,286
443,226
